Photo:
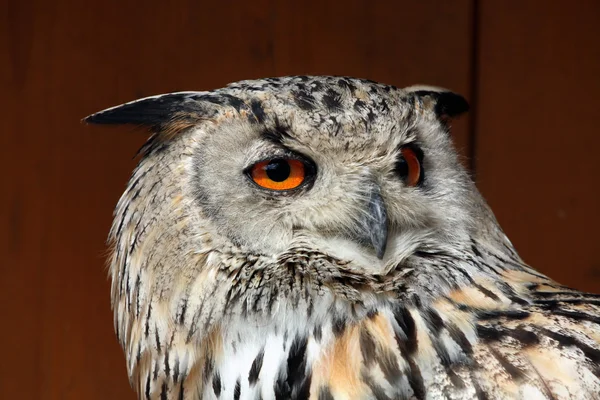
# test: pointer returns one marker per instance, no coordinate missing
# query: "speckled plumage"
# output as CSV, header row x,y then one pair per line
x,y
223,290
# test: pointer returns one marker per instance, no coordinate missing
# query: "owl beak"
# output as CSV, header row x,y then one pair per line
x,y
375,224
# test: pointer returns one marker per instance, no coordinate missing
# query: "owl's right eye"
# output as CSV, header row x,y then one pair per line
x,y
279,174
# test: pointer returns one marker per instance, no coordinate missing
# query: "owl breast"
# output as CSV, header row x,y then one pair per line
x,y
444,350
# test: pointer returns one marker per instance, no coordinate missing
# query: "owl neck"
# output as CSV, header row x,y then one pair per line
x,y
305,279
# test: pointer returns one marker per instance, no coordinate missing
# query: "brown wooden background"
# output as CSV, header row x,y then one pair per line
x,y
530,68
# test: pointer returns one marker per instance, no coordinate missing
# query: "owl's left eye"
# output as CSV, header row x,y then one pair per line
x,y
279,174
409,165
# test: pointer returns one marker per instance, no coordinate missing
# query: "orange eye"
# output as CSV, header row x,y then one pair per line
x,y
279,174
408,166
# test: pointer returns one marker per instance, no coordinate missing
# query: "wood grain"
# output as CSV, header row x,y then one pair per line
x,y
537,131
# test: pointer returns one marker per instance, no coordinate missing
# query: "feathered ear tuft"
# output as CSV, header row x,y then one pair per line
x,y
444,103
162,112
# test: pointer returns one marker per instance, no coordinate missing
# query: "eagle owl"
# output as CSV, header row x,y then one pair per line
x,y
317,238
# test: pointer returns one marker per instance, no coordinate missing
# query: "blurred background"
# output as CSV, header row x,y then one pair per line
x,y
529,68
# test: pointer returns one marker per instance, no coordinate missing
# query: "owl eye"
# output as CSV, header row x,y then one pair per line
x,y
279,174
408,166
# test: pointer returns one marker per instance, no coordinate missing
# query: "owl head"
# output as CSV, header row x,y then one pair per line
x,y
357,170
351,185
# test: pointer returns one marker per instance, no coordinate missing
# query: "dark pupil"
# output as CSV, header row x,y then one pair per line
x,y
278,170
402,168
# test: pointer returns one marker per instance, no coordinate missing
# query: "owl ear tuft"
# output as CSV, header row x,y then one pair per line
x,y
444,103
157,112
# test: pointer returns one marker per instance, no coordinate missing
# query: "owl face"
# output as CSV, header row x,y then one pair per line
x,y
356,170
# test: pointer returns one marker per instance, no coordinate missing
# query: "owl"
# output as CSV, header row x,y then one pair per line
x,y
317,238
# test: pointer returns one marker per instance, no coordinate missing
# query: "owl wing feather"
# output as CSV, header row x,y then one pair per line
x,y
546,346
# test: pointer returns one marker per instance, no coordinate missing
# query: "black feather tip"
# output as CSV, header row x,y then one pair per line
x,y
447,104
149,111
